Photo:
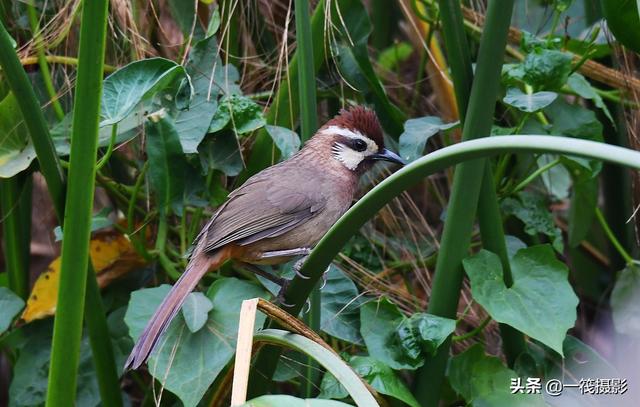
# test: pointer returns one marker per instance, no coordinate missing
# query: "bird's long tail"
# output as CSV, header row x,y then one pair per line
x,y
198,266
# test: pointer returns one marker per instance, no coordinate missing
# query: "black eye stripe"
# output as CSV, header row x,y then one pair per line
x,y
358,144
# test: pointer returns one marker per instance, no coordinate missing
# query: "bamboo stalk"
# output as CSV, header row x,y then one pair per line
x,y
67,330
469,178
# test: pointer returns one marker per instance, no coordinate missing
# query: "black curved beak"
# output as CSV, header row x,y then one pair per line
x,y
388,155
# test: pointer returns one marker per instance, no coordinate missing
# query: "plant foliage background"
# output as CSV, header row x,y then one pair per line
x,y
199,95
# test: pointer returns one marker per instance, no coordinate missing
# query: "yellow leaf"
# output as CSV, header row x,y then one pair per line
x,y
112,255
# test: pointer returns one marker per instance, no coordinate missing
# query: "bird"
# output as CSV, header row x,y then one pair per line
x,y
280,213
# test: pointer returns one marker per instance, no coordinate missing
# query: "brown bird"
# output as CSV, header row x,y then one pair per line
x,y
281,212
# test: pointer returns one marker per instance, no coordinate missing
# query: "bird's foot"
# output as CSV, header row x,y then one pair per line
x,y
280,298
298,265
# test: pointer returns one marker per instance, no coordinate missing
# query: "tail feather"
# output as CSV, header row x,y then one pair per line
x,y
198,266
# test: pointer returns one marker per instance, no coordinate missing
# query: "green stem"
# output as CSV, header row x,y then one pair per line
x,y
67,330
470,179
535,175
475,331
612,238
42,62
112,143
63,60
14,194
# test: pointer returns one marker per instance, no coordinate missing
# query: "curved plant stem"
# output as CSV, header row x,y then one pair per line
x,y
350,223
535,174
612,238
328,359
67,331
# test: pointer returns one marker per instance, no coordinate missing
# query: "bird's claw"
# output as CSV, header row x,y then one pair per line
x,y
325,277
297,266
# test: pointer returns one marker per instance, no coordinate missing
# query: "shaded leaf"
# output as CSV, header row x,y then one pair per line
x,y
239,113
484,381
532,210
546,69
625,302
529,102
98,221
416,134
167,165
379,322
380,376
574,121
340,307
424,333
16,150
540,303
11,305
124,89
623,20
221,152
286,140
584,199
186,362
582,87
195,311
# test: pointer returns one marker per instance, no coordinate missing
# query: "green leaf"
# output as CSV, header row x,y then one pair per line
x,y
196,311
557,179
546,69
395,55
184,12
10,304
624,302
583,88
290,401
484,381
623,19
380,376
379,321
192,121
98,221
30,373
221,152
16,150
286,140
541,302
532,210
124,89
574,121
186,362
584,199
416,134
424,333
340,307
529,102
167,165
239,113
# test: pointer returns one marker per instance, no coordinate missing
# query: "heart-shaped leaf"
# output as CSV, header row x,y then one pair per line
x,y
286,140
341,307
16,150
195,311
540,303
529,102
416,134
124,89
186,362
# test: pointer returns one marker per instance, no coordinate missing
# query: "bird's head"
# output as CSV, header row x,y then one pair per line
x,y
355,139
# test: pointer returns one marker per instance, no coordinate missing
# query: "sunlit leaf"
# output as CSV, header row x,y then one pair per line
x,y
529,102
112,256
16,150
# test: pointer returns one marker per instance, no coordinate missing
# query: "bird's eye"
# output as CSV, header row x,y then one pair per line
x,y
359,145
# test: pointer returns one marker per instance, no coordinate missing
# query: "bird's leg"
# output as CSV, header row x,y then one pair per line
x,y
282,282
299,251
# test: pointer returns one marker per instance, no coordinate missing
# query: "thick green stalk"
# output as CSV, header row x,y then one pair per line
x,y
467,183
284,109
42,62
308,126
38,129
15,199
67,330
52,171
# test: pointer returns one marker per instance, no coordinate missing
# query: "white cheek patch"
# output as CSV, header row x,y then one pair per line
x,y
349,157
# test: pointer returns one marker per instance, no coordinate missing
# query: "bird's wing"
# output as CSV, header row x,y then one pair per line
x,y
266,206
